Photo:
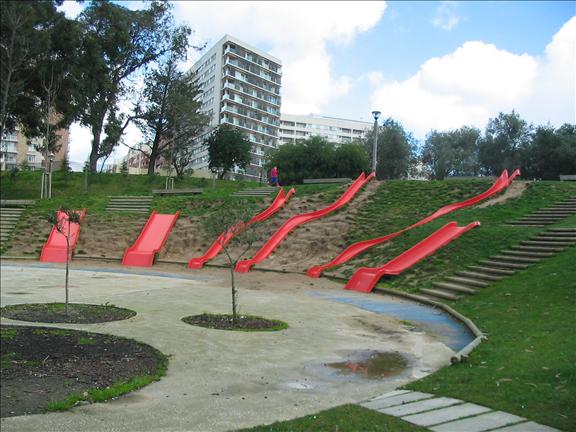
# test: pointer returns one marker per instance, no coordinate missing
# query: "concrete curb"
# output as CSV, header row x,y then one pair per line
x,y
462,355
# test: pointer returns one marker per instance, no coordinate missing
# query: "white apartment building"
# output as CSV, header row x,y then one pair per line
x,y
240,86
16,150
336,130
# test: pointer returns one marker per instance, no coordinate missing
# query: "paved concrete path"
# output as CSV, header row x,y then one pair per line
x,y
219,380
443,414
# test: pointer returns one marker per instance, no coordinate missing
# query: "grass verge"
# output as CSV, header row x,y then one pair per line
x,y
115,390
342,418
528,364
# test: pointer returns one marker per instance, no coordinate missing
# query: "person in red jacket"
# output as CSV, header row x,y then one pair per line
x,y
274,176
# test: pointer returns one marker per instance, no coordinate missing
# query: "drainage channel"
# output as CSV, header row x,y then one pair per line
x,y
424,318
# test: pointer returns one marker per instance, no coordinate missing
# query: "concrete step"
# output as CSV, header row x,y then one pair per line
x,y
439,294
478,275
544,243
563,229
570,209
538,220
454,287
130,196
492,270
554,239
547,215
553,212
468,281
528,254
515,259
538,248
529,224
128,210
505,265
560,234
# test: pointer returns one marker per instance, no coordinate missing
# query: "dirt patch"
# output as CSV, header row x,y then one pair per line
x,y
45,365
56,313
515,190
311,244
108,235
242,322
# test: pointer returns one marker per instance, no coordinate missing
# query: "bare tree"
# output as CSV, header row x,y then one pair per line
x,y
230,227
62,225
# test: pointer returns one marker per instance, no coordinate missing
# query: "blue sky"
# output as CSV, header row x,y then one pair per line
x,y
429,65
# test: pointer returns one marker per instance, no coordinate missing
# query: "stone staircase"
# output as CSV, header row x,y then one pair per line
x,y
9,217
506,263
140,204
259,191
549,215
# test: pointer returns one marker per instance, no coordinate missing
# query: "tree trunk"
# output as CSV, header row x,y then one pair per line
x,y
67,262
232,282
96,133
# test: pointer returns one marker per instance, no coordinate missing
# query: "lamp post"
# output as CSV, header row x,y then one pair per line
x,y
375,114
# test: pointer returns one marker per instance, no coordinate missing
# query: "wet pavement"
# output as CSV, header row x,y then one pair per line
x,y
218,380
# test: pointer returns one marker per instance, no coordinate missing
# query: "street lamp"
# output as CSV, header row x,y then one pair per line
x,y
375,114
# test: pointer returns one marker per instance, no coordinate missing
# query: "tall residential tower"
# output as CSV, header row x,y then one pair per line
x,y
241,87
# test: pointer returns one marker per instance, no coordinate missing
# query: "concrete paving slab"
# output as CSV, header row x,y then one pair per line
x,y
481,423
219,380
445,414
379,404
420,406
527,427
390,394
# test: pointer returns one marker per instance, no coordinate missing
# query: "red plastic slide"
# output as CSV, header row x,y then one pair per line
x,y
295,221
55,248
225,237
366,278
351,251
150,240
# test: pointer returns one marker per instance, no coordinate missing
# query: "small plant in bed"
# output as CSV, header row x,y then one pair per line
x,y
234,225
56,313
241,323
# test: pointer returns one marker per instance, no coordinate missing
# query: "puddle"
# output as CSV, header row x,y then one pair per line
x,y
372,364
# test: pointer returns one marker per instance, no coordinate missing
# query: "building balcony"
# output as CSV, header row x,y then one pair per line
x,y
234,110
239,100
230,74
264,76
236,53
250,92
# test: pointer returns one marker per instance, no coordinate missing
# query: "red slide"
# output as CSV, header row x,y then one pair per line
x,y
366,278
295,221
55,248
150,240
351,251
224,238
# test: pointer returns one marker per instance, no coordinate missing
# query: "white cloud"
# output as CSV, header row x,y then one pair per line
x,y
446,16
296,33
478,80
71,9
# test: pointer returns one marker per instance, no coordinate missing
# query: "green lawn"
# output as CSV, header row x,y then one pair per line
x,y
342,419
528,364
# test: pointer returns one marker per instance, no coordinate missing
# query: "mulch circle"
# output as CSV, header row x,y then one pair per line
x,y
242,322
41,365
56,313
